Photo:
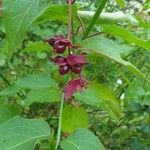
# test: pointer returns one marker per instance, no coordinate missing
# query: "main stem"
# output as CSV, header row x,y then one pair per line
x,y
69,22
62,99
70,30
60,122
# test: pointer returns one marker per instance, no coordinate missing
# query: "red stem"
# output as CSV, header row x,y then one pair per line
x,y
70,31
69,22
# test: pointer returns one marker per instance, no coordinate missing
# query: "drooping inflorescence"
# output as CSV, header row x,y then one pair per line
x,y
72,63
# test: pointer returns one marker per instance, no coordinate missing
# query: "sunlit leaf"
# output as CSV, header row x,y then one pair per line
x,y
126,35
38,46
101,96
109,50
121,3
74,118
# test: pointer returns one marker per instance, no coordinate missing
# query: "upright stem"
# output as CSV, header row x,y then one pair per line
x,y
96,15
60,122
62,99
69,22
70,29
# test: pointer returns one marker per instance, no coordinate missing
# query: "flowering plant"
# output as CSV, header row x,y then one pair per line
x,y
73,67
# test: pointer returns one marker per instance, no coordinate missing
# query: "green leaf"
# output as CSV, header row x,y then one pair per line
x,y
30,81
82,139
60,12
110,50
18,16
121,3
57,12
126,35
109,18
74,118
11,90
100,95
43,95
38,46
22,134
7,112
36,81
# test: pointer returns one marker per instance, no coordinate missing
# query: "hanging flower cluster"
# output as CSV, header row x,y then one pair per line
x,y
72,63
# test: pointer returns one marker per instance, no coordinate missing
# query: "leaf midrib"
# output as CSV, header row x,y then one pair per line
x,y
33,138
73,144
22,22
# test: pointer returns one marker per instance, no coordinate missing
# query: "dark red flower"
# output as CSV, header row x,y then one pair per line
x,y
72,62
76,59
70,1
60,44
76,68
59,47
63,69
63,65
61,61
52,40
73,86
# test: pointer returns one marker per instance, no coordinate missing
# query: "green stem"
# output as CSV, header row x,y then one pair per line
x,y
60,122
95,17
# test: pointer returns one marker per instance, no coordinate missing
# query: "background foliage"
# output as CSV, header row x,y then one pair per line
x,y
116,105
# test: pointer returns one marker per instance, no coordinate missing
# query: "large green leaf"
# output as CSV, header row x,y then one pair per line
x,y
82,139
43,95
31,81
22,134
36,81
18,16
60,12
100,95
7,111
108,49
126,35
74,118
57,12
11,90
108,18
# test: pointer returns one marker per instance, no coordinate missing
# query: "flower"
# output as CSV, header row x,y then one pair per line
x,y
52,40
76,62
59,43
63,65
70,1
75,85
76,59
71,62
59,47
